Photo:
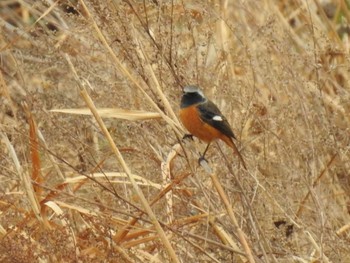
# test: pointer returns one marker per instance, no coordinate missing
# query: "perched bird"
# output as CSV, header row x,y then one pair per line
x,y
202,118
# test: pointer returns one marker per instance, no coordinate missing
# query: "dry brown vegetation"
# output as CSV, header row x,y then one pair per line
x,y
129,189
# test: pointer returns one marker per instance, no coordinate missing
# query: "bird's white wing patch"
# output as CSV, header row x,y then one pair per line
x,y
217,118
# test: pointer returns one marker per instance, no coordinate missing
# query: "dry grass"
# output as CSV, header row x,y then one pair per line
x,y
75,188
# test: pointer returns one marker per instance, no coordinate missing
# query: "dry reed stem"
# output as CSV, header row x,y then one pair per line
x,y
325,20
125,71
4,91
299,42
232,216
282,65
189,220
324,258
124,231
137,233
25,179
142,180
343,229
3,231
232,243
120,158
142,240
36,176
166,174
225,40
315,182
144,256
51,157
58,211
157,87
221,233
79,209
252,218
223,246
137,190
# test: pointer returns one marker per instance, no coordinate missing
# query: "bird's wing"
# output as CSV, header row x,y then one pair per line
x,y
209,113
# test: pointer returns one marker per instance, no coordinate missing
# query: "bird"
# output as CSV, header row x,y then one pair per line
x,y
203,119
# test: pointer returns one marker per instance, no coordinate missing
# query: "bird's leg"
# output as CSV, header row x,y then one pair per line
x,y
202,156
206,149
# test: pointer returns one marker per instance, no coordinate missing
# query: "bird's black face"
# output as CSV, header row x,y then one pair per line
x,y
191,98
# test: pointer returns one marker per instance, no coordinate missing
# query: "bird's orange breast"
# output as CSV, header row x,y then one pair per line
x,y
191,120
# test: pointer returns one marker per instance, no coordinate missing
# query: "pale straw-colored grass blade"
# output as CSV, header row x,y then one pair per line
x,y
166,174
110,175
24,178
2,231
131,115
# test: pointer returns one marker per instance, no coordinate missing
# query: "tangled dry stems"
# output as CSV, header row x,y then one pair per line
x,y
279,72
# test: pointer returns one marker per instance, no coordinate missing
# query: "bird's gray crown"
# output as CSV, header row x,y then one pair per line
x,y
192,95
193,89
